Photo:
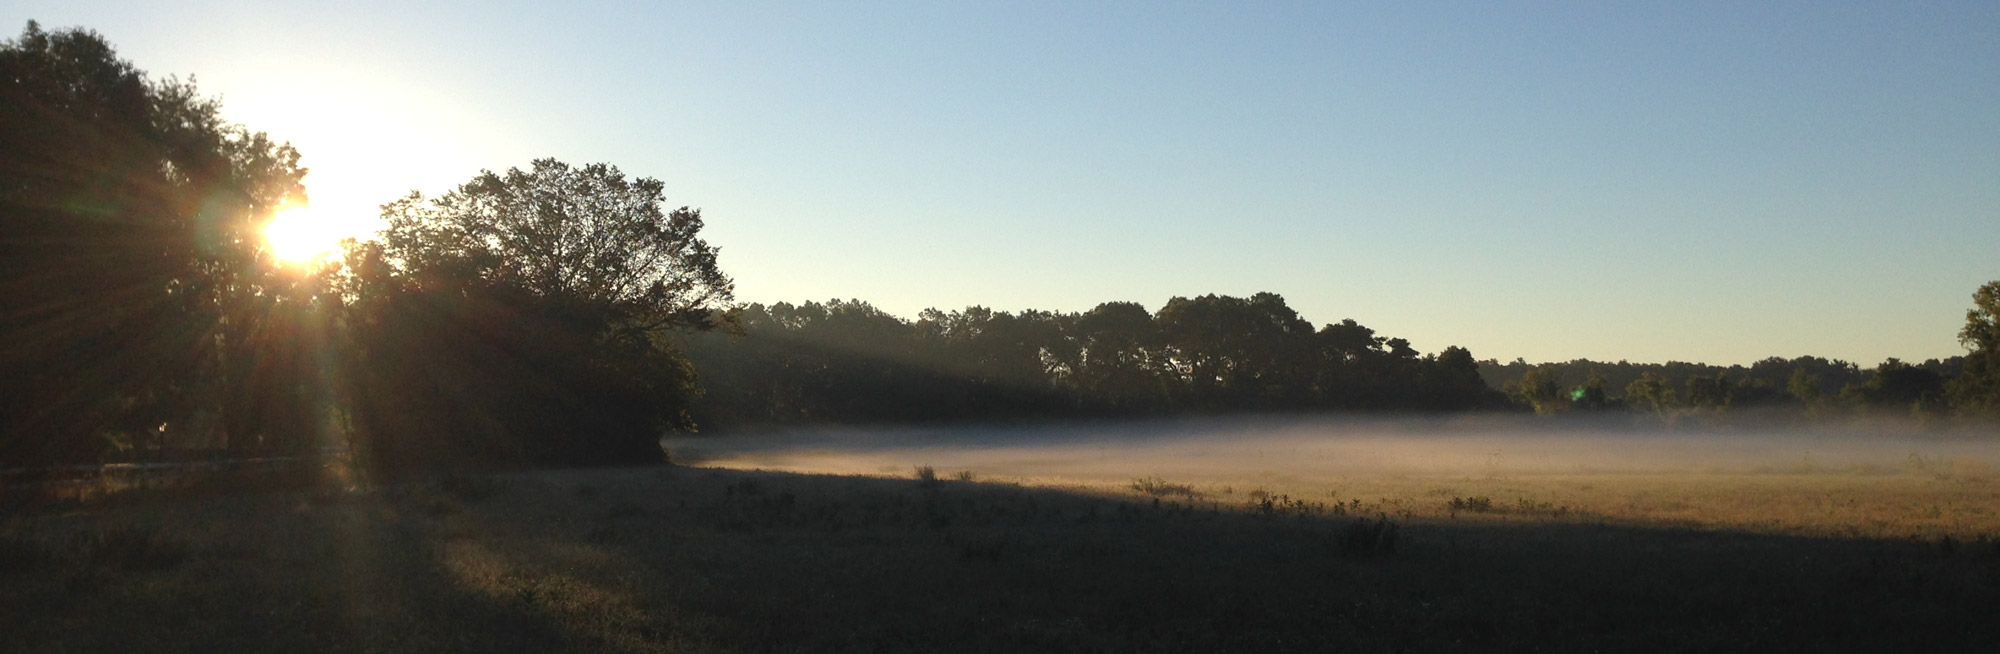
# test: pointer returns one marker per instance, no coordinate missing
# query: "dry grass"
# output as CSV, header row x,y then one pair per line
x,y
688,559
1831,504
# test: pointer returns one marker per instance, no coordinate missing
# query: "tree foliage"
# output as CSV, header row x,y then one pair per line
x,y
526,316
1976,390
585,236
137,294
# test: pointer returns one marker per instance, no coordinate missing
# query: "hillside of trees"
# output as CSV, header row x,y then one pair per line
x,y
564,315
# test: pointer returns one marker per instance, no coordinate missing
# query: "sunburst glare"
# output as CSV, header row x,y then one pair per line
x,y
296,235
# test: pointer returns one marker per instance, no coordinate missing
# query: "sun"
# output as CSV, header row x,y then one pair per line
x,y
295,235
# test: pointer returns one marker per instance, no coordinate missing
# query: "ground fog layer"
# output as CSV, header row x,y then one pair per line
x,y
1847,482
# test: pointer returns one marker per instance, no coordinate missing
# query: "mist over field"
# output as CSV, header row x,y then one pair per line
x,y
1318,448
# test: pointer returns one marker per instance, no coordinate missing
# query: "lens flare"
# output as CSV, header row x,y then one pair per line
x,y
294,235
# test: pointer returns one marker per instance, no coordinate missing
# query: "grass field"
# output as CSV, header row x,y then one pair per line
x,y
1892,557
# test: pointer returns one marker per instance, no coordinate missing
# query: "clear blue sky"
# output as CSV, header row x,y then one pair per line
x,y
1697,181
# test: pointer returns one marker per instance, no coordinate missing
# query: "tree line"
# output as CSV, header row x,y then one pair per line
x,y
846,361
564,314
1803,387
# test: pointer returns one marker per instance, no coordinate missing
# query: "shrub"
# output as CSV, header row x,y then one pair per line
x,y
926,477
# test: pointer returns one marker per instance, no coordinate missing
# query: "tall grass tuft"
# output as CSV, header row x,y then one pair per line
x,y
1475,504
1158,487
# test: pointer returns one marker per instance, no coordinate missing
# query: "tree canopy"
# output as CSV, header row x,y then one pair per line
x,y
524,317
129,264
1977,388
576,235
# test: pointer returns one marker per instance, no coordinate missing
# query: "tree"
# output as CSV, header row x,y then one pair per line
x,y
1589,396
1120,359
1709,392
1454,381
584,236
1652,392
129,262
1541,389
1804,386
1897,386
529,314
1238,353
1976,390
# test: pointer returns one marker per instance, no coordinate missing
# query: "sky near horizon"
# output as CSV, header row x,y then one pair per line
x,y
1700,181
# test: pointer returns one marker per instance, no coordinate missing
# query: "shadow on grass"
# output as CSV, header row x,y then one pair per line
x,y
679,559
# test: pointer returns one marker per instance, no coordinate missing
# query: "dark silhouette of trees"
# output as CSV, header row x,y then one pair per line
x,y
138,298
847,362
1710,393
527,317
1896,386
1810,387
1236,353
1453,382
1119,351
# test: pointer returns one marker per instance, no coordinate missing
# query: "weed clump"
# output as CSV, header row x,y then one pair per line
x,y
1285,505
926,477
1268,505
1158,487
1474,504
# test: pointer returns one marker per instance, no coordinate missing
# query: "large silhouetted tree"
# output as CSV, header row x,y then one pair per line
x,y
527,317
1119,357
1230,352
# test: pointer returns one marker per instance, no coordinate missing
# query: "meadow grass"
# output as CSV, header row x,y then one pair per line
x,y
707,559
